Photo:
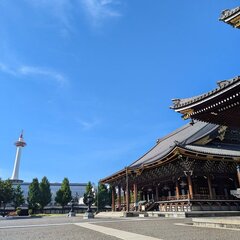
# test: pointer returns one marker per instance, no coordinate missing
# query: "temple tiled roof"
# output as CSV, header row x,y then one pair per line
x,y
231,17
184,135
220,106
217,150
229,13
199,138
222,87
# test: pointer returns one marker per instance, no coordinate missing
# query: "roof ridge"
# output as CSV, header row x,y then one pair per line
x,y
174,132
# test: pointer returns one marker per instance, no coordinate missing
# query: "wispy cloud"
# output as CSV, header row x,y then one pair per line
x,y
99,10
6,69
87,125
26,70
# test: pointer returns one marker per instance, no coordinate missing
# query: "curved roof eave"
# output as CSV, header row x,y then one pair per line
x,y
186,103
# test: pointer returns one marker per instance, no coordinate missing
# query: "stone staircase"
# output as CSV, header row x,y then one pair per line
x,y
110,214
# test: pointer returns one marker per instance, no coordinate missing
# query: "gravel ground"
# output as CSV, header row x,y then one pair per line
x,y
166,229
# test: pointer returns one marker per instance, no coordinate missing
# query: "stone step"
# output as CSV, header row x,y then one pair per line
x,y
110,214
226,222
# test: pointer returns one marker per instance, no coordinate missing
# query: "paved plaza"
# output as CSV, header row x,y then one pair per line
x,y
76,228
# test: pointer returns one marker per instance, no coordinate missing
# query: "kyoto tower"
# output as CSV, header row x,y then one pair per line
x,y
19,144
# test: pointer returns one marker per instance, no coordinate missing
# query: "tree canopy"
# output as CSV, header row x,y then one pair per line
x,y
64,194
18,198
103,196
88,191
6,192
45,193
34,195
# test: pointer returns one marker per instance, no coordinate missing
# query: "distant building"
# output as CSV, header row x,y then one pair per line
x,y
77,189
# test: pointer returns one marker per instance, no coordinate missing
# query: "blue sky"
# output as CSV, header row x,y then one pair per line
x,y
91,81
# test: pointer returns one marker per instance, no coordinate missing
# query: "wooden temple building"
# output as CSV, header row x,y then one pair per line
x,y
193,168
231,17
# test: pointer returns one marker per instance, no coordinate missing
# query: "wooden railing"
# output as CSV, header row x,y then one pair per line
x,y
172,198
194,197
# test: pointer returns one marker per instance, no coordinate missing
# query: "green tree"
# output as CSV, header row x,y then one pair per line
x,y
34,195
88,191
103,197
6,193
18,198
64,194
1,192
59,197
45,193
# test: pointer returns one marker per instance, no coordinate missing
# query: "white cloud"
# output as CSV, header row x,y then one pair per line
x,y
26,70
87,125
64,10
98,10
4,68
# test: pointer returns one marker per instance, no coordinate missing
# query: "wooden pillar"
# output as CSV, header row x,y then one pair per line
x,y
190,186
210,186
127,200
119,198
124,199
157,193
177,190
113,199
135,193
238,175
127,192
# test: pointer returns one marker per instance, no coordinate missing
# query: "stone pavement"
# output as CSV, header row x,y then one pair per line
x,y
218,222
51,228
